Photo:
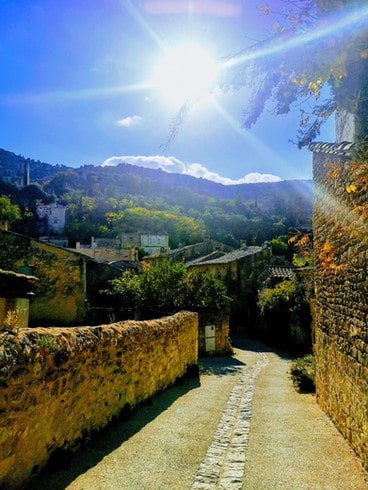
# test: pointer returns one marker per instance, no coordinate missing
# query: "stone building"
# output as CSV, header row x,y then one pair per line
x,y
18,176
152,243
55,215
341,287
188,253
239,271
125,246
68,282
107,250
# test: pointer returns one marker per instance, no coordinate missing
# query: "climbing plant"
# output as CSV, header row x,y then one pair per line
x,y
315,57
315,48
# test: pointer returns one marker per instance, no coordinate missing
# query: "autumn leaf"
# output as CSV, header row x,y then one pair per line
x,y
351,188
361,210
335,171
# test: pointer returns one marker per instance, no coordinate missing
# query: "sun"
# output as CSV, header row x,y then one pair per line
x,y
184,72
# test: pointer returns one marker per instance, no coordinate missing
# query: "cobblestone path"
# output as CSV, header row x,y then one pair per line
x,y
223,466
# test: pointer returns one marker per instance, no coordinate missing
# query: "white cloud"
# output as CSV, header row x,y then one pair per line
x,y
173,165
129,121
168,164
257,177
198,170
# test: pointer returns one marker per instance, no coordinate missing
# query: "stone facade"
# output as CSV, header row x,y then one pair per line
x,y
152,243
239,271
68,282
341,287
55,215
58,385
102,252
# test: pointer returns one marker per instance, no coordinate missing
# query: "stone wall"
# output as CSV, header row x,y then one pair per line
x,y
59,384
341,306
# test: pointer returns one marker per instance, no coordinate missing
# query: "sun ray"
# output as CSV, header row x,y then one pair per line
x,y
72,95
334,24
134,12
256,144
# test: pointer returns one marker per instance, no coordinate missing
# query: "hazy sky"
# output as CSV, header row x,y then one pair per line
x,y
83,82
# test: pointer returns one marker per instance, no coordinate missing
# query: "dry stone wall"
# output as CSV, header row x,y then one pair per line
x,y
341,308
59,384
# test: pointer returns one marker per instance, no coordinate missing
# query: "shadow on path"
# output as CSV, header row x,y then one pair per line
x,y
220,366
245,343
65,467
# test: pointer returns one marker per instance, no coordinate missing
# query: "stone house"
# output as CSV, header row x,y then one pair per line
x,y
152,243
189,252
125,246
19,175
55,215
239,271
68,282
107,250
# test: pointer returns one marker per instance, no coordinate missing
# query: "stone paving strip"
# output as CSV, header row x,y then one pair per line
x,y
223,465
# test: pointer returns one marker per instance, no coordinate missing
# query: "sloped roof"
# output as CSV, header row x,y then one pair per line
x,y
341,149
280,272
13,284
228,257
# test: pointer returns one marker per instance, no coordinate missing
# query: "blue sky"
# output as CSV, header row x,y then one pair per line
x,y
76,88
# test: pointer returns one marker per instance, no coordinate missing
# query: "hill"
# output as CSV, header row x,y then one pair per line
x,y
106,201
132,179
10,163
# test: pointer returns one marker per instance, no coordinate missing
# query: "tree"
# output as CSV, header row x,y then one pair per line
x,y
167,288
9,212
316,46
285,314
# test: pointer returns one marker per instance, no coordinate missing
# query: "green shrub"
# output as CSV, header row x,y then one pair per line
x,y
303,374
276,299
169,288
279,246
285,316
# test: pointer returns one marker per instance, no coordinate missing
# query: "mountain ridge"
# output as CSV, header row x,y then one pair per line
x,y
42,172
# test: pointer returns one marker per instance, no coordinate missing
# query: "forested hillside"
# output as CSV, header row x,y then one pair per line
x,y
104,201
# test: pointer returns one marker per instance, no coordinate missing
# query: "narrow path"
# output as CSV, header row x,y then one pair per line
x,y
242,427
223,466
292,443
